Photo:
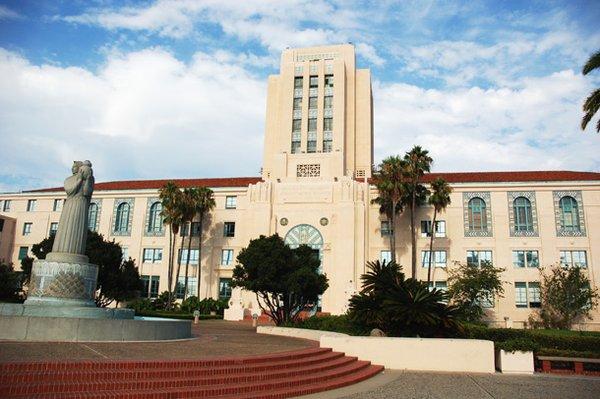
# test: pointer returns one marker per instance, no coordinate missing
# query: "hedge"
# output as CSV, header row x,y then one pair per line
x,y
339,324
177,315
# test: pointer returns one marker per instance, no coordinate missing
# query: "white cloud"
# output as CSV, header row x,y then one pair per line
x,y
532,127
7,13
369,53
142,115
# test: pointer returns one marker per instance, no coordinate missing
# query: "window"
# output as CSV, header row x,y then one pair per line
x,y
27,228
191,287
155,218
477,214
440,228
311,146
385,256
328,80
23,252
573,259
124,253
298,103
230,202
327,146
227,257
477,258
527,295
1,224
295,147
229,229
224,288
298,83
296,125
569,214
328,102
93,217
312,125
327,124
6,207
122,218
523,215
154,284
152,255
31,204
386,229
312,103
439,285
314,82
53,228
439,259
150,286
57,205
526,259
145,293
183,255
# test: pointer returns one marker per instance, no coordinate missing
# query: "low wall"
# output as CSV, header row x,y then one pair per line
x,y
426,354
24,328
314,335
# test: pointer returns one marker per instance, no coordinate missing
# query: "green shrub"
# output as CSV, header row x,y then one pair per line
x,y
208,305
341,324
177,315
140,305
190,304
163,299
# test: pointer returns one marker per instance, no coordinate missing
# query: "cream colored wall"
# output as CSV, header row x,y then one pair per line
x,y
7,237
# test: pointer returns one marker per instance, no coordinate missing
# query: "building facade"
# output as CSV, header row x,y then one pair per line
x,y
315,190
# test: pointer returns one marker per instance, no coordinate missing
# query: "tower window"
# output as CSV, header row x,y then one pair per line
x,y
312,102
314,82
298,83
296,125
298,103
312,125
328,101
328,80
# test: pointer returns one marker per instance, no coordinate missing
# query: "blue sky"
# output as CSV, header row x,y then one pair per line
x,y
154,89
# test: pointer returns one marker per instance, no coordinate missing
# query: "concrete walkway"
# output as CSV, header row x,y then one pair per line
x,y
424,385
213,338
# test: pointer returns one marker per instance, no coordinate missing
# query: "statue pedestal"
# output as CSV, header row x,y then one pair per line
x,y
235,311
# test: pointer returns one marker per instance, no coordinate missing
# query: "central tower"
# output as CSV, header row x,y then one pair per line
x,y
319,116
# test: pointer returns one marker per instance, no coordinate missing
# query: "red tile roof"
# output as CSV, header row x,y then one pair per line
x,y
451,177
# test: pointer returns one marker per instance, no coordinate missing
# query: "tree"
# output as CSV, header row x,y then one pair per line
x,y
118,280
389,182
285,280
170,197
439,199
470,286
566,298
188,211
401,307
10,283
592,103
417,162
204,203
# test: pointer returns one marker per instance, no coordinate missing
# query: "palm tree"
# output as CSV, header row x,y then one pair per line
x,y
439,199
204,203
170,196
389,182
417,163
592,104
188,211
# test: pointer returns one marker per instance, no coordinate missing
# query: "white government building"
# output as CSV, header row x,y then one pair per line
x,y
314,189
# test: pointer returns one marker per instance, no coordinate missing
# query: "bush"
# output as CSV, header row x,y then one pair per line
x,y
208,305
190,304
140,305
165,301
177,315
341,324
10,283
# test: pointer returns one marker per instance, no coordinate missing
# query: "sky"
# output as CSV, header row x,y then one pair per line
x,y
177,89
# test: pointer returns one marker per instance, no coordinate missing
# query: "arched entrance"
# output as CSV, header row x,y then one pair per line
x,y
305,234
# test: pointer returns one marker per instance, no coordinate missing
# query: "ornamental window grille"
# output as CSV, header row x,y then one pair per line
x,y
569,214
308,170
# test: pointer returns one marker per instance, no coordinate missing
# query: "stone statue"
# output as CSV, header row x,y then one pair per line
x,y
70,239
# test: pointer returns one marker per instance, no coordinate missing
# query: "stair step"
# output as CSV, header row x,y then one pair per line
x,y
237,390
163,370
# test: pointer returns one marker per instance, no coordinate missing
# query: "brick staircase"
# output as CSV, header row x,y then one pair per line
x,y
279,375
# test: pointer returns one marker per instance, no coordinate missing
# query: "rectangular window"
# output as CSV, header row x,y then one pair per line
x,y
312,103
227,257
327,146
152,255
439,259
31,204
184,229
298,83
23,251
295,147
296,125
230,202
327,124
312,125
311,146
53,228
533,293
154,285
183,255
328,101
27,228
224,288
314,82
440,228
145,293
191,287
385,256
6,207
521,294
229,229
522,258
298,103
477,258
328,80
573,259
386,229
57,205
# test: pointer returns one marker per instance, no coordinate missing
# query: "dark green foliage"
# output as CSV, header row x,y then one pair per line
x,y
140,305
169,314
117,280
566,298
341,324
165,301
592,103
205,306
471,285
10,283
189,304
401,307
286,280
26,266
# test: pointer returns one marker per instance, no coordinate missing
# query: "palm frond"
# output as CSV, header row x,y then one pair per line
x,y
592,63
590,107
